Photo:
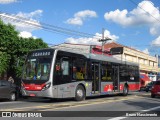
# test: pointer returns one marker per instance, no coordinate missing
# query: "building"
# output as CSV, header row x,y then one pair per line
x,y
158,75
148,64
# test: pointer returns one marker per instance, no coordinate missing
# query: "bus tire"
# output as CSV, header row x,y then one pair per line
x,y
80,93
125,90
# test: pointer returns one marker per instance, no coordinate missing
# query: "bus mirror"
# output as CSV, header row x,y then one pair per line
x,y
19,59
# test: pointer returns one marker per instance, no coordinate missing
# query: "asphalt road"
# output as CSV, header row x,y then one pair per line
x,y
98,108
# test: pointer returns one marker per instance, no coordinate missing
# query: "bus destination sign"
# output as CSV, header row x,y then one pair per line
x,y
36,54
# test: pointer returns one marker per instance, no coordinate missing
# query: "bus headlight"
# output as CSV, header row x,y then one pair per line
x,y
46,86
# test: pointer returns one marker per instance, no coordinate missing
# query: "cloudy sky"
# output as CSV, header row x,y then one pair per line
x,y
134,23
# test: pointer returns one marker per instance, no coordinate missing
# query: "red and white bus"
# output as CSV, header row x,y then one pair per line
x,y
55,73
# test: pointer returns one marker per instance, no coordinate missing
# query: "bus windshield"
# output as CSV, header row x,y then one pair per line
x,y
37,68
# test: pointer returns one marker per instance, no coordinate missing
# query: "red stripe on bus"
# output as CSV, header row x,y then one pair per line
x,y
109,87
33,87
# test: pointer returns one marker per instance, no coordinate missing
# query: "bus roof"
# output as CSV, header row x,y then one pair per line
x,y
109,59
92,56
100,57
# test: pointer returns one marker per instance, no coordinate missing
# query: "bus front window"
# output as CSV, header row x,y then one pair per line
x,y
37,69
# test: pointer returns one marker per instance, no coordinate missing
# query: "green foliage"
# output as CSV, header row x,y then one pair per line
x,y
3,62
13,49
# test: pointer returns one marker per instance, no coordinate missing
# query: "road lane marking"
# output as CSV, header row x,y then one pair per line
x,y
72,104
16,109
93,103
65,105
154,108
12,102
118,118
141,111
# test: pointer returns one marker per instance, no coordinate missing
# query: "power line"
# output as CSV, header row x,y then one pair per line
x,y
151,45
144,10
45,26
48,27
133,2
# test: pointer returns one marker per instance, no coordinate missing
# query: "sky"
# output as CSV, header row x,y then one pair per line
x,y
133,23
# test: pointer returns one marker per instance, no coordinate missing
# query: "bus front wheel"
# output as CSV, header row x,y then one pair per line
x,y
80,93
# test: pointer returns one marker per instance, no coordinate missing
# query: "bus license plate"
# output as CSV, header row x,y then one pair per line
x,y
32,95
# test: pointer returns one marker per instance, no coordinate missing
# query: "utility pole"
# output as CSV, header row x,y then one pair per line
x,y
103,40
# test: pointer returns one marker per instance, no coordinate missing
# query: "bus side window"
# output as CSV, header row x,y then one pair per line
x,y
106,72
78,69
65,67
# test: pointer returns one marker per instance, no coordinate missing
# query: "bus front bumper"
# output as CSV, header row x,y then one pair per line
x,y
37,93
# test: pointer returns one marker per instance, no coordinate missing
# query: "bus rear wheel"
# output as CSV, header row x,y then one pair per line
x,y
125,90
80,93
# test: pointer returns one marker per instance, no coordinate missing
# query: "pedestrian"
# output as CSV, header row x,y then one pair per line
x,y
10,79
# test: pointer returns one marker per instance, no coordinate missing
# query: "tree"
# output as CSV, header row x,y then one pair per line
x,y
8,36
26,45
3,62
13,48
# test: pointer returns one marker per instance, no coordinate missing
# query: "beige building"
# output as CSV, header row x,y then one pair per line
x,y
148,64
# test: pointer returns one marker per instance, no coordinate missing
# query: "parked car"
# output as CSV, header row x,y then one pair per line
x,y
144,80
155,91
149,86
8,90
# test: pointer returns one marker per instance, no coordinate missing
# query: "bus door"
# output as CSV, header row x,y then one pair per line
x,y
115,77
61,74
96,78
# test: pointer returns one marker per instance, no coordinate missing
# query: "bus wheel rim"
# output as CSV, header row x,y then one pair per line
x,y
80,93
125,90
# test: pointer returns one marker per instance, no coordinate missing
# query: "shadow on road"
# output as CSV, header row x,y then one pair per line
x,y
59,100
146,104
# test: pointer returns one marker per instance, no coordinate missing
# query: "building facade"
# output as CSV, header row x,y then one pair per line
x,y
148,64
